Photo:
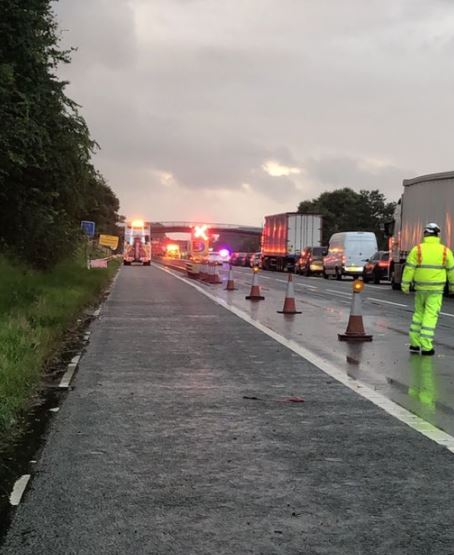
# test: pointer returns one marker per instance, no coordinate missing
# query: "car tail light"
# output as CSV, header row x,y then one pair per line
x,y
383,263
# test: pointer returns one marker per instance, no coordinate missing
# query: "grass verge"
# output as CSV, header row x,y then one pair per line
x,y
36,311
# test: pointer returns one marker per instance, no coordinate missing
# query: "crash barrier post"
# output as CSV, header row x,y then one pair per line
x,y
210,273
355,328
203,272
216,277
230,281
289,302
192,270
255,294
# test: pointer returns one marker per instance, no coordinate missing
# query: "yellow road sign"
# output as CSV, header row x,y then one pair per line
x,y
109,241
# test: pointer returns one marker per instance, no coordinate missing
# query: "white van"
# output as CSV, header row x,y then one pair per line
x,y
348,252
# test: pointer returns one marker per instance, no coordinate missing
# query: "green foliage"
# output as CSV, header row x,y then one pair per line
x,y
36,310
47,181
347,210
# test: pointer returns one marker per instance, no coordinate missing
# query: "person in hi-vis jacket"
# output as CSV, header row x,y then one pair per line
x,y
428,266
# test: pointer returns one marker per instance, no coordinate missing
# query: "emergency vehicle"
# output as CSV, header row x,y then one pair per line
x,y
137,246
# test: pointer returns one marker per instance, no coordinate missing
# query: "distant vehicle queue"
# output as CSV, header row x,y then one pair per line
x,y
332,262
292,242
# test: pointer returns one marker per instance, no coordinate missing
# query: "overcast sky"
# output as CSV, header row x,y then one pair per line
x,y
227,110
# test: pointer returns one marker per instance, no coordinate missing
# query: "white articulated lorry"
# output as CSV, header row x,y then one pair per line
x,y
285,236
425,199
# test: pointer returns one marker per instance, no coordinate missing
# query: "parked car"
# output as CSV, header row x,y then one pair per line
x,y
256,260
217,258
235,258
239,259
377,267
247,258
348,252
311,261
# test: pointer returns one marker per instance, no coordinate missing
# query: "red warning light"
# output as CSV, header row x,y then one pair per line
x,y
200,232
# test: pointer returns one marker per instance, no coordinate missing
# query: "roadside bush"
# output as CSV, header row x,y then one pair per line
x,y
36,310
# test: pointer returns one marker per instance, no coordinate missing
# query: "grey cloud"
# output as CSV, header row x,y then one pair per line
x,y
102,31
209,91
349,172
279,188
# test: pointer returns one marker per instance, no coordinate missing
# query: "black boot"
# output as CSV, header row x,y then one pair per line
x,y
428,353
414,350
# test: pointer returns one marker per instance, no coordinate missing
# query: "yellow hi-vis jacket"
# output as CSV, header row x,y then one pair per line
x,y
427,267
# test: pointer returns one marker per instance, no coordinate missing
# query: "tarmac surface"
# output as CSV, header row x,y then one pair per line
x,y
422,385
181,436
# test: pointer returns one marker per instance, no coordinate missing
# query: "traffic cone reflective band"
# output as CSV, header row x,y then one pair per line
x,y
255,295
355,328
289,302
230,281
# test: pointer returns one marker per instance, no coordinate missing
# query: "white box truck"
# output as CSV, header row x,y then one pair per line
x,y
425,199
285,236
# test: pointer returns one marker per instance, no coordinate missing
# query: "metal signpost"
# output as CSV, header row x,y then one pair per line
x,y
89,228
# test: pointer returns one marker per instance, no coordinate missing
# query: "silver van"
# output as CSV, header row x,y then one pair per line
x,y
348,252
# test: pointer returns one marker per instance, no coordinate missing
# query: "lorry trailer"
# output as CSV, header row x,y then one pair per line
x,y
285,236
425,199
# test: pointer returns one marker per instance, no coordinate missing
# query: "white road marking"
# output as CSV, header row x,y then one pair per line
x,y
306,285
338,293
447,314
386,302
18,490
413,421
281,280
68,376
76,359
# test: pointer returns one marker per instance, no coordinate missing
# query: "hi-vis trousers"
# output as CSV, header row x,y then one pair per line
x,y
425,318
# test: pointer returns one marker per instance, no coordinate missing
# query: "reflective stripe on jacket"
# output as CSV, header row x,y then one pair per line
x,y
428,265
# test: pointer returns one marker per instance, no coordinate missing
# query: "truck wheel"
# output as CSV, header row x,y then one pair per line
x,y
325,275
126,263
395,286
338,275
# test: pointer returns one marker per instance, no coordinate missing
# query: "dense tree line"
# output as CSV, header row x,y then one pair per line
x,y
47,180
347,210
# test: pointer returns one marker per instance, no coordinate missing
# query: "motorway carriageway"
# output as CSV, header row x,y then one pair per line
x,y
423,385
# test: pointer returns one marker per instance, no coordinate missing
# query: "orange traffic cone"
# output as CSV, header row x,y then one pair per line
x,y
289,302
355,328
255,295
230,281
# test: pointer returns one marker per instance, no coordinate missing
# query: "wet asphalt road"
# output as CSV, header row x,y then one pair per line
x,y
178,438
423,386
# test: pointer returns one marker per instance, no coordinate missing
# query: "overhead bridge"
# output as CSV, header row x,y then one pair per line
x,y
187,227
